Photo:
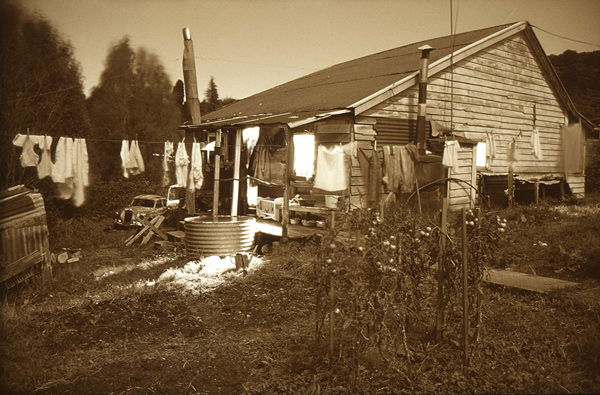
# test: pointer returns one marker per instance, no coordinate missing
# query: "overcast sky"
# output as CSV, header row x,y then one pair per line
x,y
252,45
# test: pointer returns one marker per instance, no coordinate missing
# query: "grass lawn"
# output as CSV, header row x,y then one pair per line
x,y
138,320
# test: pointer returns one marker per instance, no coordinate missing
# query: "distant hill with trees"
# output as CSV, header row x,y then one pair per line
x,y
580,74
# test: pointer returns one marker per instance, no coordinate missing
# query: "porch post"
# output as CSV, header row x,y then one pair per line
x,y
215,208
289,164
236,173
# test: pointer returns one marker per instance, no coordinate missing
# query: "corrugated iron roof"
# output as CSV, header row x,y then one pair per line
x,y
341,85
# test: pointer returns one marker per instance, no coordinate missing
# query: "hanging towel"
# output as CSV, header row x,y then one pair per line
x,y
166,159
181,165
80,171
195,175
536,148
125,158
408,156
28,156
136,162
64,163
331,174
44,167
573,145
450,157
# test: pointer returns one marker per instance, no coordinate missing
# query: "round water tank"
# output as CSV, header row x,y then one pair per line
x,y
222,235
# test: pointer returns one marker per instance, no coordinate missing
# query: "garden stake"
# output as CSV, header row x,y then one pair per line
x,y
479,280
331,295
440,295
465,297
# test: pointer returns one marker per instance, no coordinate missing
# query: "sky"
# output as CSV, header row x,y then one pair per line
x,y
252,45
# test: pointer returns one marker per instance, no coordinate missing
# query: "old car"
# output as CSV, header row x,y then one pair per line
x,y
144,206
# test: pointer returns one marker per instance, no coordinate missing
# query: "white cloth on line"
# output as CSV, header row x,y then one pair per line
x,y
125,158
195,175
536,147
331,174
63,163
136,162
181,165
28,156
167,155
450,156
44,167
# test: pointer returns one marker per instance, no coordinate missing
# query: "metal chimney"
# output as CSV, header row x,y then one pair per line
x,y
422,111
189,78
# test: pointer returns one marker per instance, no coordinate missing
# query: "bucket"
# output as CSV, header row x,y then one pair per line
x,y
223,235
331,201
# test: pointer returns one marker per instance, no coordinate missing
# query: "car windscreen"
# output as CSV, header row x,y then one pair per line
x,y
143,203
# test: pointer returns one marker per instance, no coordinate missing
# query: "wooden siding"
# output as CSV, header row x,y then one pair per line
x,y
494,91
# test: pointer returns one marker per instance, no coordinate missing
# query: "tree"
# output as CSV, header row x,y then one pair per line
x,y
134,99
211,95
41,87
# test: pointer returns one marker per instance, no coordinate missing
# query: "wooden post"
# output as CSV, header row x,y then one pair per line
x,y
465,290
215,209
190,195
236,173
440,293
536,192
289,166
331,312
189,77
511,183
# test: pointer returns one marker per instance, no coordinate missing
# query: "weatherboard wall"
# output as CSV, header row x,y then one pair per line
x,y
494,91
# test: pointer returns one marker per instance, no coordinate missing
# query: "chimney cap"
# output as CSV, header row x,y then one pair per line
x,y
186,33
426,47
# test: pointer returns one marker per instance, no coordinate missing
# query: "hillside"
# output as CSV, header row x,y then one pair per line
x,y
580,74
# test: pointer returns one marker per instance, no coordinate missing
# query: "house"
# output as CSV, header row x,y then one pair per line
x,y
489,96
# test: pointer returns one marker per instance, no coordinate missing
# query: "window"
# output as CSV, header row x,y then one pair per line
x,y
481,154
304,155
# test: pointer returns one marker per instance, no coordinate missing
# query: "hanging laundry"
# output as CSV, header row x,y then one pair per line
x,y
195,175
450,156
166,159
374,186
28,156
573,145
44,167
63,163
392,167
181,165
125,158
331,174
136,162
536,148
399,162
80,171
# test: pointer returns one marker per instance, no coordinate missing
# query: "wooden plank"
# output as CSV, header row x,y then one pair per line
x,y
154,229
136,236
154,224
20,265
526,281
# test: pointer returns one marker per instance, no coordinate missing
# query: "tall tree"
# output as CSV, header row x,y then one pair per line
x,y
133,99
211,96
40,87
